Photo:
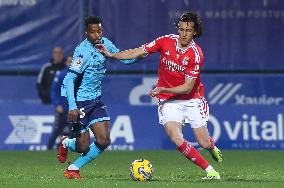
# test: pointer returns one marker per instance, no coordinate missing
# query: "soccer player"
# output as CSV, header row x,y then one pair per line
x,y
179,89
82,87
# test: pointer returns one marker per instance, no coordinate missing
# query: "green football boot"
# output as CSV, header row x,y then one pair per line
x,y
216,154
212,175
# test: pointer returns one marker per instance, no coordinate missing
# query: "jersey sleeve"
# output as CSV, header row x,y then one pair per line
x,y
67,89
194,66
78,65
113,49
153,46
110,46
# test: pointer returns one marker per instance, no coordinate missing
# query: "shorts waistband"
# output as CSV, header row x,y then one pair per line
x,y
99,98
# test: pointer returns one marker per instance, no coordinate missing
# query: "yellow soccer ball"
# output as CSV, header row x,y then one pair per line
x,y
141,170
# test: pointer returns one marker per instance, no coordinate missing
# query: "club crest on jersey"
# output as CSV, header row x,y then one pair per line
x,y
177,56
77,64
185,60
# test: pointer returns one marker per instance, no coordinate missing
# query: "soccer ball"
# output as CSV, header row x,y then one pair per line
x,y
141,170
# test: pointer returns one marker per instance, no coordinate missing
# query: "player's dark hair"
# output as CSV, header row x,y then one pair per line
x,y
192,17
92,20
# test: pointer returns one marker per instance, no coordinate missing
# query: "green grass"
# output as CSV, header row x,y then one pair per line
x,y
239,169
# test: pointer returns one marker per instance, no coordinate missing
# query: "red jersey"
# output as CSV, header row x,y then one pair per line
x,y
176,64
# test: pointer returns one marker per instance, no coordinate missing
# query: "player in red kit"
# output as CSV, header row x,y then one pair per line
x,y
179,89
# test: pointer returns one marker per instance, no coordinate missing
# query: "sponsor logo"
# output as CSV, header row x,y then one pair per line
x,y
77,64
121,134
139,95
18,2
194,72
223,92
261,100
172,66
249,132
29,129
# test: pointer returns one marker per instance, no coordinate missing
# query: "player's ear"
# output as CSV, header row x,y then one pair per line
x,y
177,24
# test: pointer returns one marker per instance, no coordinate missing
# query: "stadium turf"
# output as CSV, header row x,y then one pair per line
x,y
239,169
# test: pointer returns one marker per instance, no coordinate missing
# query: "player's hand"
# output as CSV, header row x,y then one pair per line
x,y
73,115
156,91
103,50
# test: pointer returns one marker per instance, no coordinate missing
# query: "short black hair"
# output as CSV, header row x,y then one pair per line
x,y
92,20
192,17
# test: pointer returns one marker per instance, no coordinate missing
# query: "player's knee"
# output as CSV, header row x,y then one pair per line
x,y
102,143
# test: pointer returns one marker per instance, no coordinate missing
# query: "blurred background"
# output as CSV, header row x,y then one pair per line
x,y
243,73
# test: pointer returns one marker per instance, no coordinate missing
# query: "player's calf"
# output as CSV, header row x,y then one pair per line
x,y
192,154
82,148
102,143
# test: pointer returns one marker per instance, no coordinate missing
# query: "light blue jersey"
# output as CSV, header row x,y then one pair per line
x,y
84,79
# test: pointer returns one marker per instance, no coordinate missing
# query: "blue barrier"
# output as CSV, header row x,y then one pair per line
x,y
246,113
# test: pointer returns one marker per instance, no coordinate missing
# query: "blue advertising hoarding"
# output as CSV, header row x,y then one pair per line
x,y
248,115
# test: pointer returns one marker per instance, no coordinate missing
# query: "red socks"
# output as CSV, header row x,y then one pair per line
x,y
192,154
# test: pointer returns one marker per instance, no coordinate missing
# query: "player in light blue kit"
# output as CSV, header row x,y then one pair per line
x,y
82,87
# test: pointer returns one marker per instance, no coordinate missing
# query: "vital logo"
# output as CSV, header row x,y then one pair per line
x,y
221,93
29,129
248,132
249,128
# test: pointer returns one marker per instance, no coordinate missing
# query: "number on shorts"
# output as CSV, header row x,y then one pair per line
x,y
83,113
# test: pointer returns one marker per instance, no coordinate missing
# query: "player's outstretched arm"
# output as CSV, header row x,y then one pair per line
x,y
181,89
130,54
127,54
